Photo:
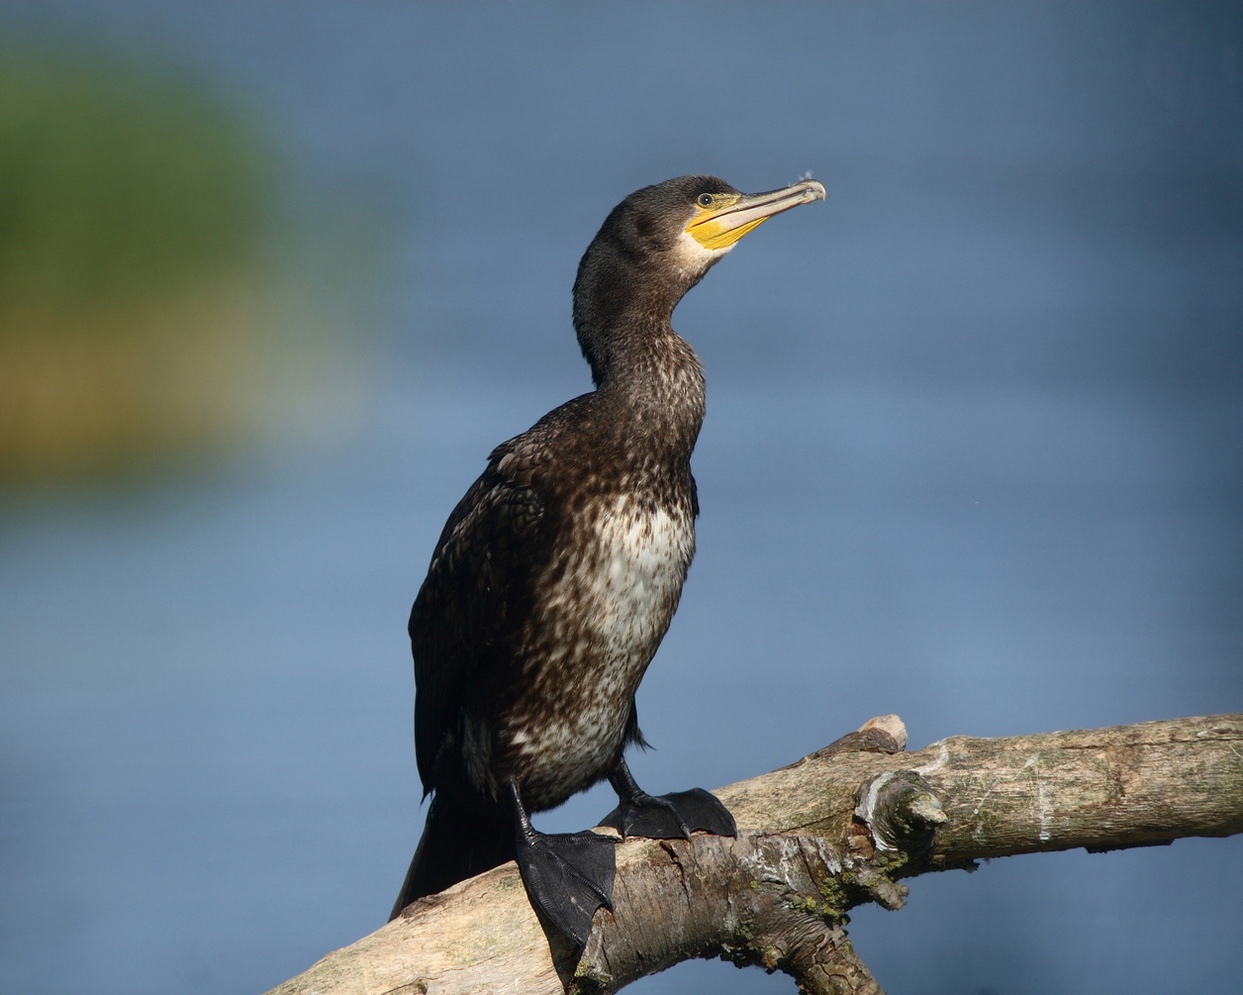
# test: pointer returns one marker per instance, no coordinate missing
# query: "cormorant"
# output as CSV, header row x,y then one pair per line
x,y
558,573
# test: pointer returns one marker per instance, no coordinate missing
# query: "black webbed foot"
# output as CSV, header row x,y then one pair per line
x,y
672,816
567,876
665,817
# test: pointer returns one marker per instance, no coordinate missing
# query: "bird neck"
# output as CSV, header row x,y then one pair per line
x,y
652,383
645,371
623,304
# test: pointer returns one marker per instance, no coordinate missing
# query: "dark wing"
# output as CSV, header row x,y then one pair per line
x,y
477,596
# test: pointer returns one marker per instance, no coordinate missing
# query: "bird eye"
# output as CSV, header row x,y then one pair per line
x,y
705,200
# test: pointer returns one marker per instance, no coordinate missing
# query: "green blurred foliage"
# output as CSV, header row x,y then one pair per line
x,y
136,308
118,185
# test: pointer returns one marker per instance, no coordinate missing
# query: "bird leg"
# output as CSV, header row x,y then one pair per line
x,y
664,817
567,875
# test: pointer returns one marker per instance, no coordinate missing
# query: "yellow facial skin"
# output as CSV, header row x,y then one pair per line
x,y
721,219
711,230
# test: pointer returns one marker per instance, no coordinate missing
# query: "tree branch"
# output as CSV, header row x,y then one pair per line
x,y
832,831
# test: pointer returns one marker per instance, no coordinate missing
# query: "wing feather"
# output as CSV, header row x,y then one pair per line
x,y
471,609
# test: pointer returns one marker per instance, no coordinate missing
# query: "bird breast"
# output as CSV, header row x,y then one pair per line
x,y
605,603
644,554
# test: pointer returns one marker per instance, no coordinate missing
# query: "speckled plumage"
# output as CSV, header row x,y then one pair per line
x,y
596,504
558,573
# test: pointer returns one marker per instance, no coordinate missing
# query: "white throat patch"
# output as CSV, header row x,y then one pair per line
x,y
693,258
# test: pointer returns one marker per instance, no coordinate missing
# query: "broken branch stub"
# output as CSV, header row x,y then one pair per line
x,y
901,812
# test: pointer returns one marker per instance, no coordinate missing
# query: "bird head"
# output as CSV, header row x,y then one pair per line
x,y
671,233
658,243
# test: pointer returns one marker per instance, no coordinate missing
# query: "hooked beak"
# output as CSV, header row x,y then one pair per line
x,y
725,222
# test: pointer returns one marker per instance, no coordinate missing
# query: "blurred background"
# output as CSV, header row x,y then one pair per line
x,y
274,278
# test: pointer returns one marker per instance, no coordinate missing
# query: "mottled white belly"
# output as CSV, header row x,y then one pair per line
x,y
612,606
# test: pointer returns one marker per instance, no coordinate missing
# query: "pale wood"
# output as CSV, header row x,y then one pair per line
x,y
775,895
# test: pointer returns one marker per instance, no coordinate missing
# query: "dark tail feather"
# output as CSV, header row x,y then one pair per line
x,y
464,836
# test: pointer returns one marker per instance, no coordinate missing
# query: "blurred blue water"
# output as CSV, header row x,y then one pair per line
x,y
973,454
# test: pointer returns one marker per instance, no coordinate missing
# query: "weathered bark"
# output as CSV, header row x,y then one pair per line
x,y
835,829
